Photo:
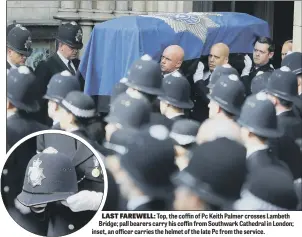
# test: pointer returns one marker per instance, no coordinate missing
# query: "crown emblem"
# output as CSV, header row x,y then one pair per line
x,y
79,36
28,43
35,173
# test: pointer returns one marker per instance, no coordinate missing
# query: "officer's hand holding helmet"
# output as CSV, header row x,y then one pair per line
x,y
84,201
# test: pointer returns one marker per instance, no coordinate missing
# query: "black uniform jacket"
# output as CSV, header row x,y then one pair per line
x,y
290,124
248,79
44,71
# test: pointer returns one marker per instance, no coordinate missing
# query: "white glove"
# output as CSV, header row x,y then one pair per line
x,y
84,201
248,66
23,209
199,72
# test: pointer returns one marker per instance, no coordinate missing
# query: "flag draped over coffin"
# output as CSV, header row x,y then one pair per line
x,y
115,44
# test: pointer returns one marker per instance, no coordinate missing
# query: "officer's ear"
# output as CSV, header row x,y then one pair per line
x,y
9,105
299,77
226,60
271,55
70,118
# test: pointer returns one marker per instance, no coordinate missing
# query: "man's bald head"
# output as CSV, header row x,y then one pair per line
x,y
172,58
212,129
219,55
287,46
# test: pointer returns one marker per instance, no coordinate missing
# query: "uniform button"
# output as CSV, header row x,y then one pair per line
x,y
192,110
5,171
6,189
71,226
194,100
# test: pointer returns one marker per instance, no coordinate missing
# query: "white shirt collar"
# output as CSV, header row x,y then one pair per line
x,y
55,122
165,75
64,60
72,129
11,64
9,114
278,113
137,201
252,149
170,116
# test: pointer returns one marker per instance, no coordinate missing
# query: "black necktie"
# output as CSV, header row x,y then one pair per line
x,y
70,68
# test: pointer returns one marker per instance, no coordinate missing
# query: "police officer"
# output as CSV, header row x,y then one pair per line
x,y
21,102
70,42
259,82
176,97
294,62
256,131
263,52
184,133
283,91
213,178
145,172
57,89
77,114
145,77
219,56
19,41
227,97
59,86
128,112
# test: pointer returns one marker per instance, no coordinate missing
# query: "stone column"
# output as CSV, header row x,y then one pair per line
x,y
68,11
297,28
172,6
121,8
162,6
184,6
85,10
138,8
152,7
103,10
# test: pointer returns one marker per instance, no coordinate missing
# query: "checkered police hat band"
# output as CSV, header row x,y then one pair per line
x,y
79,112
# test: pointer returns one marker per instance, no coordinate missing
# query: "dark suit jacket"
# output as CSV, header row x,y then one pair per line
x,y
297,108
44,71
290,124
248,79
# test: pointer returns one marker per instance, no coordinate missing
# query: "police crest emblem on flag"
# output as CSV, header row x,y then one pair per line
x,y
35,173
197,24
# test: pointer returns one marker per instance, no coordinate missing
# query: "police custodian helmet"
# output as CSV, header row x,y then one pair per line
x,y
50,176
19,40
71,34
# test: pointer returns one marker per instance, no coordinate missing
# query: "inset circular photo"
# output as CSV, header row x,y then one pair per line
x,y
53,183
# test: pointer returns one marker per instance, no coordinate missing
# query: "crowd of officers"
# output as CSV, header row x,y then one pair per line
x,y
222,139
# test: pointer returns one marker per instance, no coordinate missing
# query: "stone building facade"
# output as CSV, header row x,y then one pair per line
x,y
43,17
